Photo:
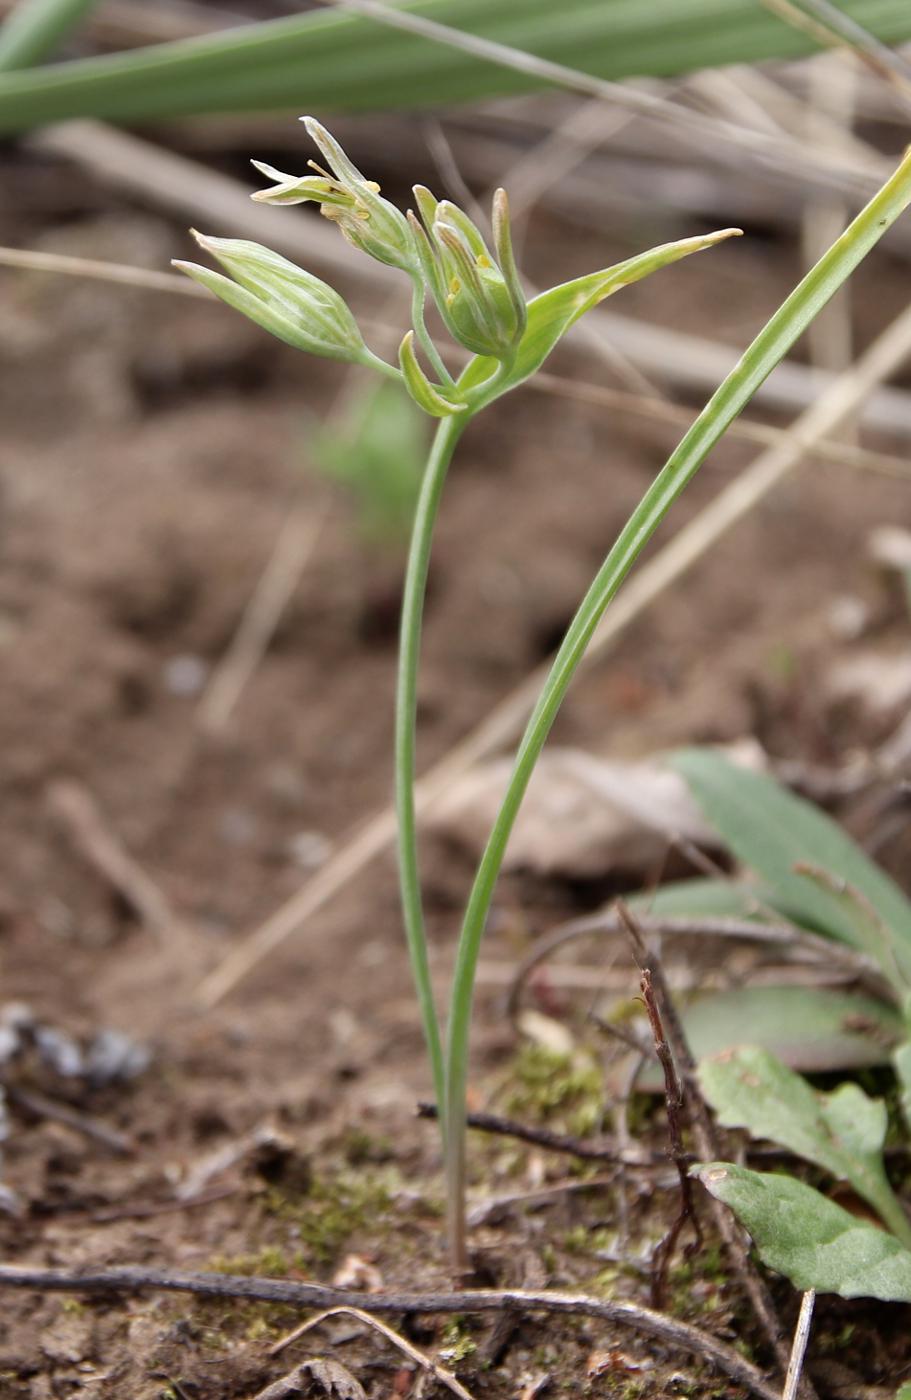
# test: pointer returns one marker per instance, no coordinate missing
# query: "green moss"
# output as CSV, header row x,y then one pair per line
x,y
360,1147
333,1210
544,1086
458,1344
270,1262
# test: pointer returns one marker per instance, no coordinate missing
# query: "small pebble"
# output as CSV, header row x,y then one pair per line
x,y
185,676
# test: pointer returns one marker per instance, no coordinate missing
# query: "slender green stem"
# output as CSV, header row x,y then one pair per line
x,y
769,347
382,366
424,336
447,435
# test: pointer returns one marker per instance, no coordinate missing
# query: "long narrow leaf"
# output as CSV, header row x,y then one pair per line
x,y
336,62
775,833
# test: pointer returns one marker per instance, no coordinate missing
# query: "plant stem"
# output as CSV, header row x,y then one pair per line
x,y
772,343
447,435
424,336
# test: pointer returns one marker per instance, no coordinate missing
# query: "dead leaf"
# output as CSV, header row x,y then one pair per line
x,y
602,1363
357,1272
536,1386
334,1378
583,815
878,681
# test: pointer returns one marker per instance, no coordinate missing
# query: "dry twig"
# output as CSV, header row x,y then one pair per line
x,y
586,1149
666,1330
426,1363
77,811
708,1148
799,1348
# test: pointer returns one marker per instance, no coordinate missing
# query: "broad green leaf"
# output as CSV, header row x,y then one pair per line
x,y
554,312
810,1028
843,1132
809,1239
332,62
715,899
904,1392
771,831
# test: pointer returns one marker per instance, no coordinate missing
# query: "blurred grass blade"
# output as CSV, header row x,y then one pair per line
x,y
771,831
340,62
809,1239
842,1132
35,28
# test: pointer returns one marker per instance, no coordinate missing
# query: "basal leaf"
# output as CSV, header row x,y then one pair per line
x,y
810,1029
554,312
843,1132
716,899
809,1239
771,831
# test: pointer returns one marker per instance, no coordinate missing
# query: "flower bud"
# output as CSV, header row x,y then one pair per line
x,y
365,219
481,302
282,298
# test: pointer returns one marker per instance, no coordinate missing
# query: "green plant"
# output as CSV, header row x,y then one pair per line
x,y
377,454
480,299
815,874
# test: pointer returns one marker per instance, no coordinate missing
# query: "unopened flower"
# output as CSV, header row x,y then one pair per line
x,y
282,298
346,197
480,300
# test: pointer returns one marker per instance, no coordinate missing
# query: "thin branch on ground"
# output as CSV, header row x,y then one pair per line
x,y
280,576
54,1111
799,1348
486,1212
667,1330
609,922
76,810
426,1363
587,1149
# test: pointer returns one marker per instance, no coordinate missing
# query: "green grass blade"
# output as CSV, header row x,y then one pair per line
x,y
35,28
770,346
337,62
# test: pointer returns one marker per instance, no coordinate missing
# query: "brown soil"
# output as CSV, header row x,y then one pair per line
x,y
151,448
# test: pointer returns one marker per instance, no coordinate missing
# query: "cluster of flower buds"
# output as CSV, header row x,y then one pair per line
x,y
481,302
478,296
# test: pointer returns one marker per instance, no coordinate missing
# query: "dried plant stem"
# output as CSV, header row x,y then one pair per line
x,y
707,1145
799,1348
